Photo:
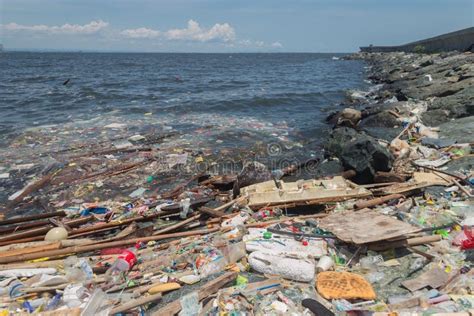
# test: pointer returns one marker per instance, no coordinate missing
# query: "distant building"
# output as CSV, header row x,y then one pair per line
x,y
462,40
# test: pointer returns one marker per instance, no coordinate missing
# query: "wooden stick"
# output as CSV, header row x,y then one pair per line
x,y
210,211
44,288
206,290
226,205
31,188
95,247
262,224
135,303
373,185
463,189
178,225
16,252
23,219
43,230
24,226
405,243
404,131
441,171
377,201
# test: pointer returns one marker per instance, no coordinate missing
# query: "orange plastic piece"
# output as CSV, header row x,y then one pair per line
x,y
343,285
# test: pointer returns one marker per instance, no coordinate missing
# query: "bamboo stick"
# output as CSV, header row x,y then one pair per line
x,y
135,303
43,230
23,219
377,201
99,246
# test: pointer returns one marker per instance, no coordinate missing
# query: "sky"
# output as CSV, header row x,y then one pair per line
x,y
225,25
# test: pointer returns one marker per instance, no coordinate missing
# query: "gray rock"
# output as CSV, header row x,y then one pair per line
x,y
360,152
458,105
462,165
384,133
252,172
381,119
461,130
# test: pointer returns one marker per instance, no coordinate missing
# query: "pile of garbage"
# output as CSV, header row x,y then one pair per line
x,y
253,243
143,227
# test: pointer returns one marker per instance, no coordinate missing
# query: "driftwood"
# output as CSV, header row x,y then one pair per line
x,y
135,303
23,219
116,170
180,188
381,177
369,203
99,246
285,219
463,189
210,211
31,188
405,243
17,252
178,225
40,231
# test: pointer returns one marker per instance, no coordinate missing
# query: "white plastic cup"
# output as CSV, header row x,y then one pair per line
x,y
325,263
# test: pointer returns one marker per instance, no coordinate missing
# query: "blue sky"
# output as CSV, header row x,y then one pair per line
x,y
226,26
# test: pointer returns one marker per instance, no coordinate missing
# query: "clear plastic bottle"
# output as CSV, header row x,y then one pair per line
x,y
125,261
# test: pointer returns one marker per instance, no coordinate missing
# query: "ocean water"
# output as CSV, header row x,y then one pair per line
x,y
279,95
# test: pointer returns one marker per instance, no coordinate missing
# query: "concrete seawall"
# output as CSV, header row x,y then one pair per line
x,y
461,40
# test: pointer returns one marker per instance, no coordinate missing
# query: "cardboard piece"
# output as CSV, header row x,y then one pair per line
x,y
365,226
302,192
432,178
434,278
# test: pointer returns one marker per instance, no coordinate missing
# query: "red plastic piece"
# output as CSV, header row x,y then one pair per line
x,y
469,242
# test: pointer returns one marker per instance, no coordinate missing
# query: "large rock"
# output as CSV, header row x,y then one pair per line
x,y
252,172
460,130
359,152
381,119
458,105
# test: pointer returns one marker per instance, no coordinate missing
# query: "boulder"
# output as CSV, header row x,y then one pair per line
x,y
381,119
252,172
458,105
360,152
461,130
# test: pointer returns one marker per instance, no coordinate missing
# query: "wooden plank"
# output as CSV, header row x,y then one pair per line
x,y
135,303
210,211
432,178
17,252
99,246
365,226
377,201
302,192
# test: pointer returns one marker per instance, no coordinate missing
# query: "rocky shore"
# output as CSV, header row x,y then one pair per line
x,y
433,91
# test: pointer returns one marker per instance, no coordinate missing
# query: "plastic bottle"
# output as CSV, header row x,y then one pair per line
x,y
125,261
77,270
14,288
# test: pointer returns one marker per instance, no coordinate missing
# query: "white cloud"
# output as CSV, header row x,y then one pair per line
x,y
221,32
90,28
193,32
277,45
141,32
